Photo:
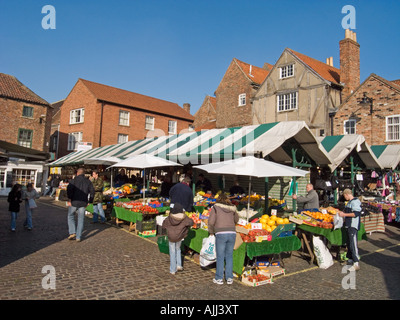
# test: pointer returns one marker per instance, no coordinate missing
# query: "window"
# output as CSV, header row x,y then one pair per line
x,y
25,138
122,138
73,139
242,99
149,123
76,116
123,118
349,126
172,127
286,71
23,176
2,178
287,101
27,112
393,128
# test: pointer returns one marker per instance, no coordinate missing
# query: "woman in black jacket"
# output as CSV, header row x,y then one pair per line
x,y
14,199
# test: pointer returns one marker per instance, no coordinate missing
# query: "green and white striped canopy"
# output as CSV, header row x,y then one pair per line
x,y
199,147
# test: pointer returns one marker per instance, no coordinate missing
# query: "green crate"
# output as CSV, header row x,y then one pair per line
x,y
282,228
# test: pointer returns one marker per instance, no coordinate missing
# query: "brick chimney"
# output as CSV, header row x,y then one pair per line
x,y
186,107
349,63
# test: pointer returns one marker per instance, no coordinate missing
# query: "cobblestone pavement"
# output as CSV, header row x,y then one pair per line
x,y
112,264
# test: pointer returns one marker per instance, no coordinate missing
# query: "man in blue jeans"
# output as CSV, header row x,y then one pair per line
x,y
80,192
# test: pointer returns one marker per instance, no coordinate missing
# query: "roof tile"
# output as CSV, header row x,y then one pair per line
x,y
12,88
127,98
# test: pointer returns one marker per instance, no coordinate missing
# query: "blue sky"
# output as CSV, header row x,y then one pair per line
x,y
179,50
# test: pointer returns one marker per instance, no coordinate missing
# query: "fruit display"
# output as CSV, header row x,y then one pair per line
x,y
137,206
253,234
121,191
276,202
195,217
257,277
269,223
317,215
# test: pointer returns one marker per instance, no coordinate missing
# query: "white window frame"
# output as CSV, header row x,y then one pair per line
x,y
124,118
286,71
122,138
149,123
77,116
172,126
287,101
242,100
24,176
73,139
353,128
393,135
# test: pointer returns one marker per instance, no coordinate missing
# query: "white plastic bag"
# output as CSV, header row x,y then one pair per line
x,y
337,221
208,253
324,257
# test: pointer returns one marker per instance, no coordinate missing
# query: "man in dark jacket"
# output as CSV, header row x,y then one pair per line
x,y
98,185
80,192
181,193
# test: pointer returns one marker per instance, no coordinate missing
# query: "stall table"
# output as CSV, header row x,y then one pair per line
x,y
374,222
194,241
336,237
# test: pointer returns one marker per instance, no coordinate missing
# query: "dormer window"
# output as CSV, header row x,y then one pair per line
x,y
242,99
286,71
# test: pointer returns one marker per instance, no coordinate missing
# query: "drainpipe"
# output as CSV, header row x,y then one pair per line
x,y
101,122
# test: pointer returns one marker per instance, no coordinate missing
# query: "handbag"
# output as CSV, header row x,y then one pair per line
x,y
32,204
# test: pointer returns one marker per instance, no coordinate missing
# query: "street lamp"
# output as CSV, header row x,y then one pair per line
x,y
367,101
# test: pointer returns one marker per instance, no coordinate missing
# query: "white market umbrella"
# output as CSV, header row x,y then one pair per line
x,y
144,161
252,167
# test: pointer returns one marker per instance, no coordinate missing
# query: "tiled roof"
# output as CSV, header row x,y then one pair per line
x,y
256,75
326,71
127,98
11,88
396,82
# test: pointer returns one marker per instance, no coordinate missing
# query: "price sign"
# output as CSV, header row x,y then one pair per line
x,y
242,222
256,226
273,212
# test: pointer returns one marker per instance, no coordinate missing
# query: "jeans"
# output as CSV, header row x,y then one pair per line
x,y
14,216
175,257
48,190
98,211
71,221
224,243
28,220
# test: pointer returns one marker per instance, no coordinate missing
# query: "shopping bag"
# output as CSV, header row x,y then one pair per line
x,y
337,221
32,204
208,253
324,257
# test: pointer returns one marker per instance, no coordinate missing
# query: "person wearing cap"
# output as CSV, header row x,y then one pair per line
x,y
177,225
351,215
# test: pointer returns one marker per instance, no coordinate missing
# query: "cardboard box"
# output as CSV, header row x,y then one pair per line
x,y
254,283
242,230
272,271
238,241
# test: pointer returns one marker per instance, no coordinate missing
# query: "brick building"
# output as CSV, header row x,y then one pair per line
x,y
205,117
235,91
301,88
378,120
104,115
25,117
